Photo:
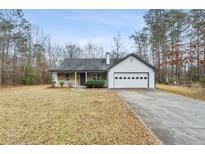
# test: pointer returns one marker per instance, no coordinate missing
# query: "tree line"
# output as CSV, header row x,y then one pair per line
x,y
174,41
27,53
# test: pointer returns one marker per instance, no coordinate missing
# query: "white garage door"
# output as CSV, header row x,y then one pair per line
x,y
131,80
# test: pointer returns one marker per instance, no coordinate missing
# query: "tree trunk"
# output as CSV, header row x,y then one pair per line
x,y
158,63
198,55
172,53
14,68
204,58
3,66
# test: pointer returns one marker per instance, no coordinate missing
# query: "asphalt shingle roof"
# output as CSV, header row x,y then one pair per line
x,y
93,64
85,64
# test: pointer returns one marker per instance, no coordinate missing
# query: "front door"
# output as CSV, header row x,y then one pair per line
x,y
82,78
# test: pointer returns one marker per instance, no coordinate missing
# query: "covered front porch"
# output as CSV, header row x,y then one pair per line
x,y
75,79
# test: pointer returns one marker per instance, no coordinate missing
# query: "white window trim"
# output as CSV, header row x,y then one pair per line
x,y
96,76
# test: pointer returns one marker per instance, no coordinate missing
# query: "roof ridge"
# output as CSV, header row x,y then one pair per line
x,y
66,59
84,58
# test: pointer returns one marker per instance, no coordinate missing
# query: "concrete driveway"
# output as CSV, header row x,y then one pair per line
x,y
174,119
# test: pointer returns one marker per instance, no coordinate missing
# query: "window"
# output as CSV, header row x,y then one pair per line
x,y
145,77
141,77
96,76
133,77
120,77
67,77
137,77
128,77
61,76
116,77
124,78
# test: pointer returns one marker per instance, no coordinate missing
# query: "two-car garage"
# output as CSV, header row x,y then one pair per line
x,y
131,80
131,72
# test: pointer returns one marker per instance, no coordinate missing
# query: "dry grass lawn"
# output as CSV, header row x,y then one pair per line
x,y
42,115
194,92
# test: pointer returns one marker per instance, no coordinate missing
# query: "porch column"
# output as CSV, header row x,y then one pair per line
x,y
86,76
54,78
75,79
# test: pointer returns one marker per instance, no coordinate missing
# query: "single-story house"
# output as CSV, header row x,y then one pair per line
x,y
128,72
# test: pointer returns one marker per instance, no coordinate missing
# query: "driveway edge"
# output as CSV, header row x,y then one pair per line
x,y
139,118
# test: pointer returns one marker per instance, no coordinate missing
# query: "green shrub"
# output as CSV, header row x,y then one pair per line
x,y
30,76
29,80
94,83
61,83
202,81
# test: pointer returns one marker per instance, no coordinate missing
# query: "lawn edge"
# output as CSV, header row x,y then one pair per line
x,y
195,98
137,117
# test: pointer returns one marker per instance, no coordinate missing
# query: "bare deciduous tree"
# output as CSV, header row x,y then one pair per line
x,y
72,50
117,50
93,50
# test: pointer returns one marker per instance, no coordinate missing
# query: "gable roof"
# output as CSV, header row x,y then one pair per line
x,y
93,64
137,57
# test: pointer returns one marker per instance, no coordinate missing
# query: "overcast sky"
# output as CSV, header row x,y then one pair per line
x,y
82,26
